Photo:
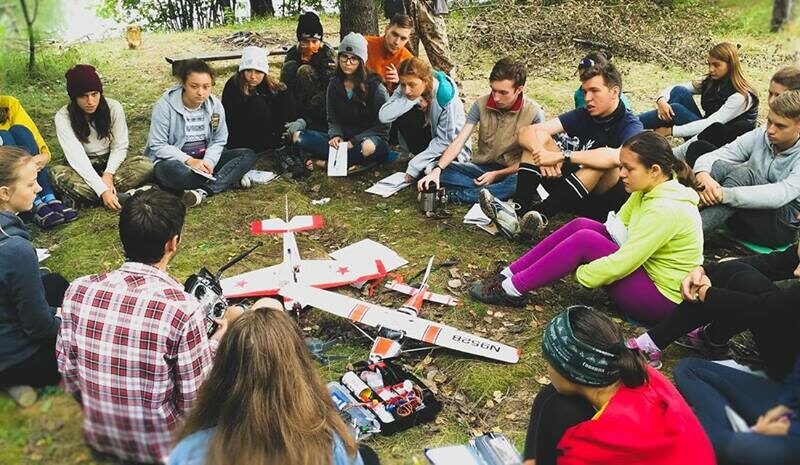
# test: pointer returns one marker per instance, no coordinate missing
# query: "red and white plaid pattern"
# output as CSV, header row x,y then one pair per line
x,y
133,350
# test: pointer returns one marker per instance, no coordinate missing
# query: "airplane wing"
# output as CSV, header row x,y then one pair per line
x,y
334,273
413,327
265,281
429,296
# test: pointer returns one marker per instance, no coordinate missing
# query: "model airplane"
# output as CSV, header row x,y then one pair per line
x,y
404,322
293,269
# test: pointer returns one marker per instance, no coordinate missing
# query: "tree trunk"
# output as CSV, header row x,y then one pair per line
x,y
30,17
358,16
782,13
261,8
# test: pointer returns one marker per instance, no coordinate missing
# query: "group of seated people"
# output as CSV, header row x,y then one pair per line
x,y
133,349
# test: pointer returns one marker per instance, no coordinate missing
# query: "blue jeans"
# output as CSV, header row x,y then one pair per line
x,y
233,164
22,137
684,106
316,144
459,180
709,387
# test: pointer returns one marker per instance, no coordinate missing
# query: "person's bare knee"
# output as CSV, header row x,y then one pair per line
x,y
296,137
367,147
589,177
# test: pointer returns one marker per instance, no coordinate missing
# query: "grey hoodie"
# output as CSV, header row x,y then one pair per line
x,y
781,169
25,317
446,116
168,129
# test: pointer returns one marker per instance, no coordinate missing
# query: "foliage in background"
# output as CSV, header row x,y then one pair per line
x,y
178,15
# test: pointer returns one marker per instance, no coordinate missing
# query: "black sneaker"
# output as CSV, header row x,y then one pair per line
x,y
490,291
699,341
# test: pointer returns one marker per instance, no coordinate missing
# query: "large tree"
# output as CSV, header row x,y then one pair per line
x,y
261,8
359,16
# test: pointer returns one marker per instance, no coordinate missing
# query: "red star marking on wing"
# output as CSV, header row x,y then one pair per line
x,y
343,270
241,283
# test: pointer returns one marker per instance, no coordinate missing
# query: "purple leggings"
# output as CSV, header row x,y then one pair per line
x,y
581,241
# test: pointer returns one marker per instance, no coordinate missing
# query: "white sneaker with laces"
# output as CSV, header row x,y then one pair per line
x,y
532,222
194,197
503,214
246,182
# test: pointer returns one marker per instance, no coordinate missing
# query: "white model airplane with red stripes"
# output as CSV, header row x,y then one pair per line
x,y
293,269
394,325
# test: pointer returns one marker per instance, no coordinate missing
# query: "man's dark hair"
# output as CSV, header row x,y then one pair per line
x,y
194,65
402,21
611,76
148,220
506,68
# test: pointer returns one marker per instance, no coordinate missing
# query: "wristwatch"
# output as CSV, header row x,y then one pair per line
x,y
567,153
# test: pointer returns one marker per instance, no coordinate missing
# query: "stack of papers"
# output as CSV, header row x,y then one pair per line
x,y
389,185
261,177
475,216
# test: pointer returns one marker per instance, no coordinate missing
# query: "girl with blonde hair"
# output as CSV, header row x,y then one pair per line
x,y
726,96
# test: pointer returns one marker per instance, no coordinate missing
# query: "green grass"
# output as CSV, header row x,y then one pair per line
x,y
50,431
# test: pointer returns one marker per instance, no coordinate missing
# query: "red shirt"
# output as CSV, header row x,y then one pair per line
x,y
648,425
378,57
132,349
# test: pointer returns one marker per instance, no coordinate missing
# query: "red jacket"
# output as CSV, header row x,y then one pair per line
x,y
648,425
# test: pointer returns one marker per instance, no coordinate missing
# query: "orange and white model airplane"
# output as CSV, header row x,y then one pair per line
x,y
293,269
394,325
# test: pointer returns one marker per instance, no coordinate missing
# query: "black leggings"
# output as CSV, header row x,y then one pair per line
x,y
414,129
40,369
774,330
714,137
551,416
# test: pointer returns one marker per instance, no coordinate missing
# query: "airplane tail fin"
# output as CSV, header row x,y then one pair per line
x,y
279,226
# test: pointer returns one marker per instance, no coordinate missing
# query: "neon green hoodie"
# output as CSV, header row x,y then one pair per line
x,y
665,236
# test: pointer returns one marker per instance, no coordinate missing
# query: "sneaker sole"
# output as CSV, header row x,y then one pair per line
x,y
486,207
190,200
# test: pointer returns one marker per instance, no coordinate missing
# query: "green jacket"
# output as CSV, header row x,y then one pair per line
x,y
665,236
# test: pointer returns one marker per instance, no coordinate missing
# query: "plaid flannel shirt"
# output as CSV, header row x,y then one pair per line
x,y
133,351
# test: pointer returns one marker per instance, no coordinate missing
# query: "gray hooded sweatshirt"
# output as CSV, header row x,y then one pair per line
x,y
168,129
25,317
781,169
446,116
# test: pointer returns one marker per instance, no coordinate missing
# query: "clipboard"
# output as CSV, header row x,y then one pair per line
x,y
203,174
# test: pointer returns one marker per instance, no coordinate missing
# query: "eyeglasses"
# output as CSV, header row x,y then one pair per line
x,y
350,59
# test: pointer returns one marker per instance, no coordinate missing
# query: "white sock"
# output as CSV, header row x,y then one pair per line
x,y
645,343
508,286
507,272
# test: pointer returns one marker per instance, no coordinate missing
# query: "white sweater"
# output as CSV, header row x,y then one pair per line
x,y
78,154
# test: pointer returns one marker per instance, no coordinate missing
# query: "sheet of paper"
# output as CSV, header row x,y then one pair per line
x,y
450,455
389,185
203,174
542,193
337,160
261,177
476,216
738,366
737,422
42,254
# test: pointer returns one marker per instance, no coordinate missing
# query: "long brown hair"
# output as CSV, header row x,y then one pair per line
x,y
653,149
273,84
81,122
266,399
728,53
421,69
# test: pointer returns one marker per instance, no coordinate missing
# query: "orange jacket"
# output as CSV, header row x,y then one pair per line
x,y
378,58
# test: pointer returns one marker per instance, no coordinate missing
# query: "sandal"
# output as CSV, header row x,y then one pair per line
x,y
46,217
68,213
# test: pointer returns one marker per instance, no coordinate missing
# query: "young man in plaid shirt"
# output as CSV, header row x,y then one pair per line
x,y
132,347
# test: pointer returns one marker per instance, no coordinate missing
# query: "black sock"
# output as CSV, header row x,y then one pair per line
x,y
567,195
528,180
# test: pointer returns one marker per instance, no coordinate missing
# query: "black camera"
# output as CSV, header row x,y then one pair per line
x,y
206,288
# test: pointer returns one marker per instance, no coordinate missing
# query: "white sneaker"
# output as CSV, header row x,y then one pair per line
x,y
194,197
124,196
246,182
24,396
503,214
532,222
